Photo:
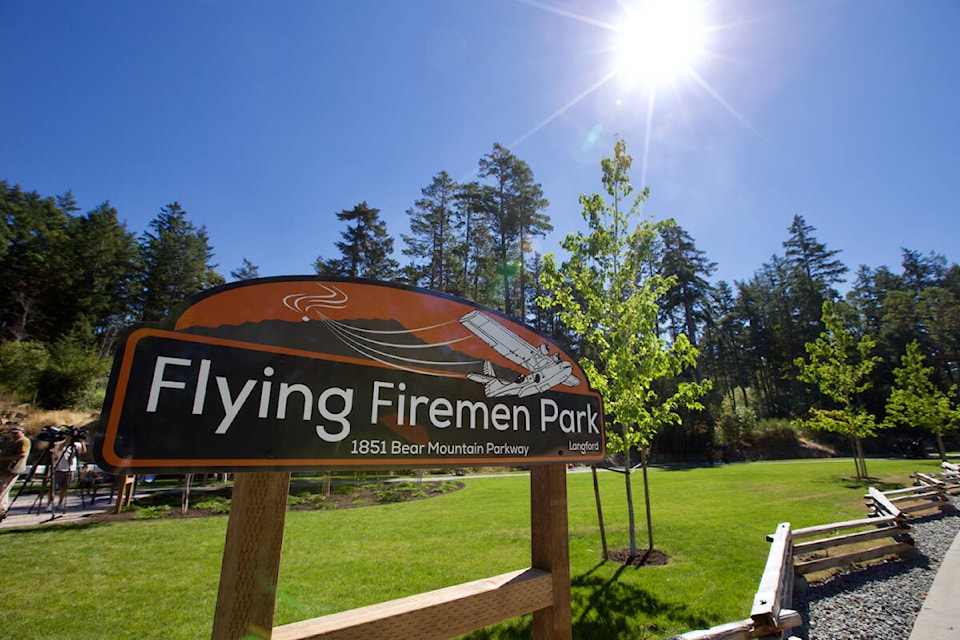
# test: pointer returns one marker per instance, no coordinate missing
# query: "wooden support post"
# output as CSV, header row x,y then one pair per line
x,y
251,556
550,548
127,486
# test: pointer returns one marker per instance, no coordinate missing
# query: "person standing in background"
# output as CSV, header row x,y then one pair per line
x,y
13,462
68,460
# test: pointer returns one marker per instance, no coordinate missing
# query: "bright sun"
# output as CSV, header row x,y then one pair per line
x,y
659,40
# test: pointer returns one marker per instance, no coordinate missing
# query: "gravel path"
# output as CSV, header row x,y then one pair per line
x,y
880,601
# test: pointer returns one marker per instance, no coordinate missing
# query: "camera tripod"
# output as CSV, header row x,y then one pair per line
x,y
47,482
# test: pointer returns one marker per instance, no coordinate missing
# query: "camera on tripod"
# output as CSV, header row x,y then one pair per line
x,y
54,434
51,434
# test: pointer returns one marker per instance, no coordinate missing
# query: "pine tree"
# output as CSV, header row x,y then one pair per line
x,y
431,246
33,264
687,303
246,271
474,249
104,268
176,258
515,211
366,247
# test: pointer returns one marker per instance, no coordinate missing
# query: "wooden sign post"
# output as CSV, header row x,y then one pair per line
x,y
550,550
251,556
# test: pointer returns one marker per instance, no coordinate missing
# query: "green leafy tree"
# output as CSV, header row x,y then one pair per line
x,y
915,400
840,365
603,297
176,258
365,248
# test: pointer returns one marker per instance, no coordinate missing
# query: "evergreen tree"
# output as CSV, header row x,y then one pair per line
x,y
103,258
724,350
762,306
176,258
686,304
246,271
431,245
474,249
515,212
33,265
814,268
365,249
920,272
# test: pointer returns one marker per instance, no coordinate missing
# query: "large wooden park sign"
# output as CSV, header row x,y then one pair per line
x,y
296,373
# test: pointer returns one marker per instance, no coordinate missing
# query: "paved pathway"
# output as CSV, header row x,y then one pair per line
x,y
27,511
939,618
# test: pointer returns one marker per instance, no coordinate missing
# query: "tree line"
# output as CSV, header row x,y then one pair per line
x,y
70,281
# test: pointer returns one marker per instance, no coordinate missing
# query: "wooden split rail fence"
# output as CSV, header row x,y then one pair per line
x,y
797,552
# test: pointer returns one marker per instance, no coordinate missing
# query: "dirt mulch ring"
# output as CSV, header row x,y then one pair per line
x,y
647,558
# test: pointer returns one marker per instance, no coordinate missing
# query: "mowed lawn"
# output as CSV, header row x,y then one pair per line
x,y
159,578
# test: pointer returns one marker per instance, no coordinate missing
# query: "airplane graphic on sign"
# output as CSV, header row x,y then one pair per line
x,y
546,370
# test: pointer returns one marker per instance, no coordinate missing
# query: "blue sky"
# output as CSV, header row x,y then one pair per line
x,y
265,119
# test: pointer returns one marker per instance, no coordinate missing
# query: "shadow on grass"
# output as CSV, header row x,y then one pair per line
x,y
606,608
689,466
851,482
45,527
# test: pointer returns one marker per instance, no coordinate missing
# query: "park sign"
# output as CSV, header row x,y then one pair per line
x,y
299,372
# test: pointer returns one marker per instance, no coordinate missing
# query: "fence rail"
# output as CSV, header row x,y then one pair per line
x,y
444,613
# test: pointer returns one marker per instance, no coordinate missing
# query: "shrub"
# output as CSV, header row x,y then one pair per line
x,y
72,375
146,513
215,504
21,364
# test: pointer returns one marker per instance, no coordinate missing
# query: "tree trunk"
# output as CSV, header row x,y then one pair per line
x,y
943,449
860,459
596,494
185,496
856,457
633,524
646,495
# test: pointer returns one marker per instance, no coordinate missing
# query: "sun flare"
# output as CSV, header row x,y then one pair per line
x,y
659,40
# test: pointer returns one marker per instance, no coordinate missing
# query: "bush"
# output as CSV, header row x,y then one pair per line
x,y
215,504
21,364
72,376
737,424
148,513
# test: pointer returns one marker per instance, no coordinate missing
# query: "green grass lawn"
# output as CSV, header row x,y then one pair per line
x,y
159,578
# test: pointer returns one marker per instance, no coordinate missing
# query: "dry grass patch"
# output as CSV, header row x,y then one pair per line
x,y
33,420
